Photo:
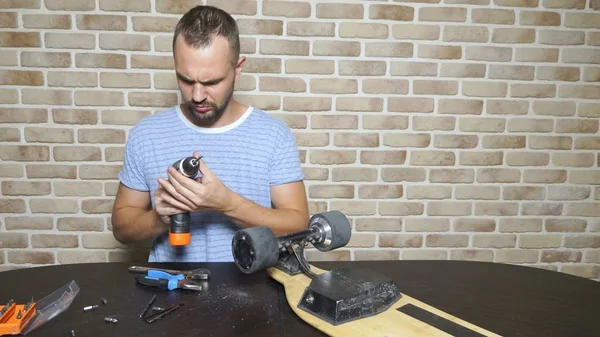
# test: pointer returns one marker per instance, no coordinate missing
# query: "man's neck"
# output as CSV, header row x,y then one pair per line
x,y
234,111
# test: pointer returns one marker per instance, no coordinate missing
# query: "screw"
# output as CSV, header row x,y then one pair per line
x,y
103,300
158,308
310,298
90,307
110,319
19,315
72,333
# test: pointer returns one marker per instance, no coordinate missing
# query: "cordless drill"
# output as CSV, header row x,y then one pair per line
x,y
179,233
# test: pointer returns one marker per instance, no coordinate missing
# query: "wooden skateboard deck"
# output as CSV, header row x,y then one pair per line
x,y
387,323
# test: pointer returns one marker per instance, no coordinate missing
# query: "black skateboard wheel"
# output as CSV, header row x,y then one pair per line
x,y
254,249
335,230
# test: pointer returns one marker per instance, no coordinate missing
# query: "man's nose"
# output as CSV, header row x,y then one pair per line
x,y
198,93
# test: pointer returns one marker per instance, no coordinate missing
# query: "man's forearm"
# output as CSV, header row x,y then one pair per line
x,y
281,221
132,224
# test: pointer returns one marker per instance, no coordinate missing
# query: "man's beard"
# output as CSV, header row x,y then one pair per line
x,y
213,114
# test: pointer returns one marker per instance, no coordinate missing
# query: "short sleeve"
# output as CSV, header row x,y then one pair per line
x,y
285,165
132,172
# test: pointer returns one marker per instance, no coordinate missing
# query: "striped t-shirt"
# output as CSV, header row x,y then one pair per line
x,y
248,156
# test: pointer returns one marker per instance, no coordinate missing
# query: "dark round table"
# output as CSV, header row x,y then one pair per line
x,y
506,299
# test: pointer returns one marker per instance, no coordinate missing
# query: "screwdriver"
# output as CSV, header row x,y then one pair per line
x,y
179,232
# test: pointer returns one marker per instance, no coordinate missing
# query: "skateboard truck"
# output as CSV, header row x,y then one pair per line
x,y
337,296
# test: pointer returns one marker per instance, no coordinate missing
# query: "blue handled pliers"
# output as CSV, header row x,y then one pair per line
x,y
161,279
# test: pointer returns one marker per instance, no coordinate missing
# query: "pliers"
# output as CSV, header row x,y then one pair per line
x,y
160,279
194,274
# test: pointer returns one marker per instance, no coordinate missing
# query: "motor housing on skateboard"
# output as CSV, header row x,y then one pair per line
x,y
336,296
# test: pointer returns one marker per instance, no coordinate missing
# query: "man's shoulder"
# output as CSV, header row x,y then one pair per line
x,y
267,120
156,120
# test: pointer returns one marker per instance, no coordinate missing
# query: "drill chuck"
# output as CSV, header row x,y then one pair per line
x,y
179,233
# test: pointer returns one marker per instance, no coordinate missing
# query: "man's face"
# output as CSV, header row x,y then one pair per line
x,y
206,79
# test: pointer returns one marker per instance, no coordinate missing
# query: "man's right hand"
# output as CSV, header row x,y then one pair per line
x,y
166,205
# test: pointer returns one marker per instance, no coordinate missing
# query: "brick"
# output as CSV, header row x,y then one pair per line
x,y
415,32
376,255
261,27
424,254
24,153
54,241
513,35
21,77
124,80
97,206
533,90
460,106
72,79
99,171
332,156
517,256
99,98
403,174
359,104
312,139
324,67
413,68
550,142
566,225
455,141
355,207
549,73
312,173
523,193
354,174
506,107
382,157
30,257
484,89
472,255
592,256
560,256
587,143
530,125
52,171
124,42
455,176
561,37
474,225
568,193
377,86
406,140
444,52
362,68
13,240
398,104
427,225
443,14
462,70
466,2
536,55
9,58
114,153
12,205
11,171
8,20
391,12
147,62
503,72
593,38
154,24
389,49
77,189
582,20
520,225
39,59
74,116
435,87
48,135
400,240
129,6
70,40
164,44
503,142
262,65
544,176
13,4
89,60
498,175
494,240
74,257
166,80
362,30
311,29
400,208
567,4
430,123
286,9
380,191
554,108
307,103
10,134
336,48
481,53
591,74
539,18
54,206
70,5
429,192
594,4
576,126
283,84
581,55
334,122
580,91
77,153
465,34
20,39
356,139
582,241
28,222
100,241
517,3
101,22
447,240
44,97
585,177
385,122
476,124
337,255
339,11
496,208
449,208
493,16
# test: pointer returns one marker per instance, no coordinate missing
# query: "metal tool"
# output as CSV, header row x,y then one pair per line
x,y
194,274
147,307
160,279
90,307
156,317
179,232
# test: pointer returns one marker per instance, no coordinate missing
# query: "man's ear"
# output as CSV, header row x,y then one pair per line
x,y
239,66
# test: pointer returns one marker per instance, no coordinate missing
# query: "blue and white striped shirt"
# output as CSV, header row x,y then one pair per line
x,y
248,156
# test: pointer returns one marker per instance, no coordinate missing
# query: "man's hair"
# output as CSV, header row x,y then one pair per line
x,y
201,24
